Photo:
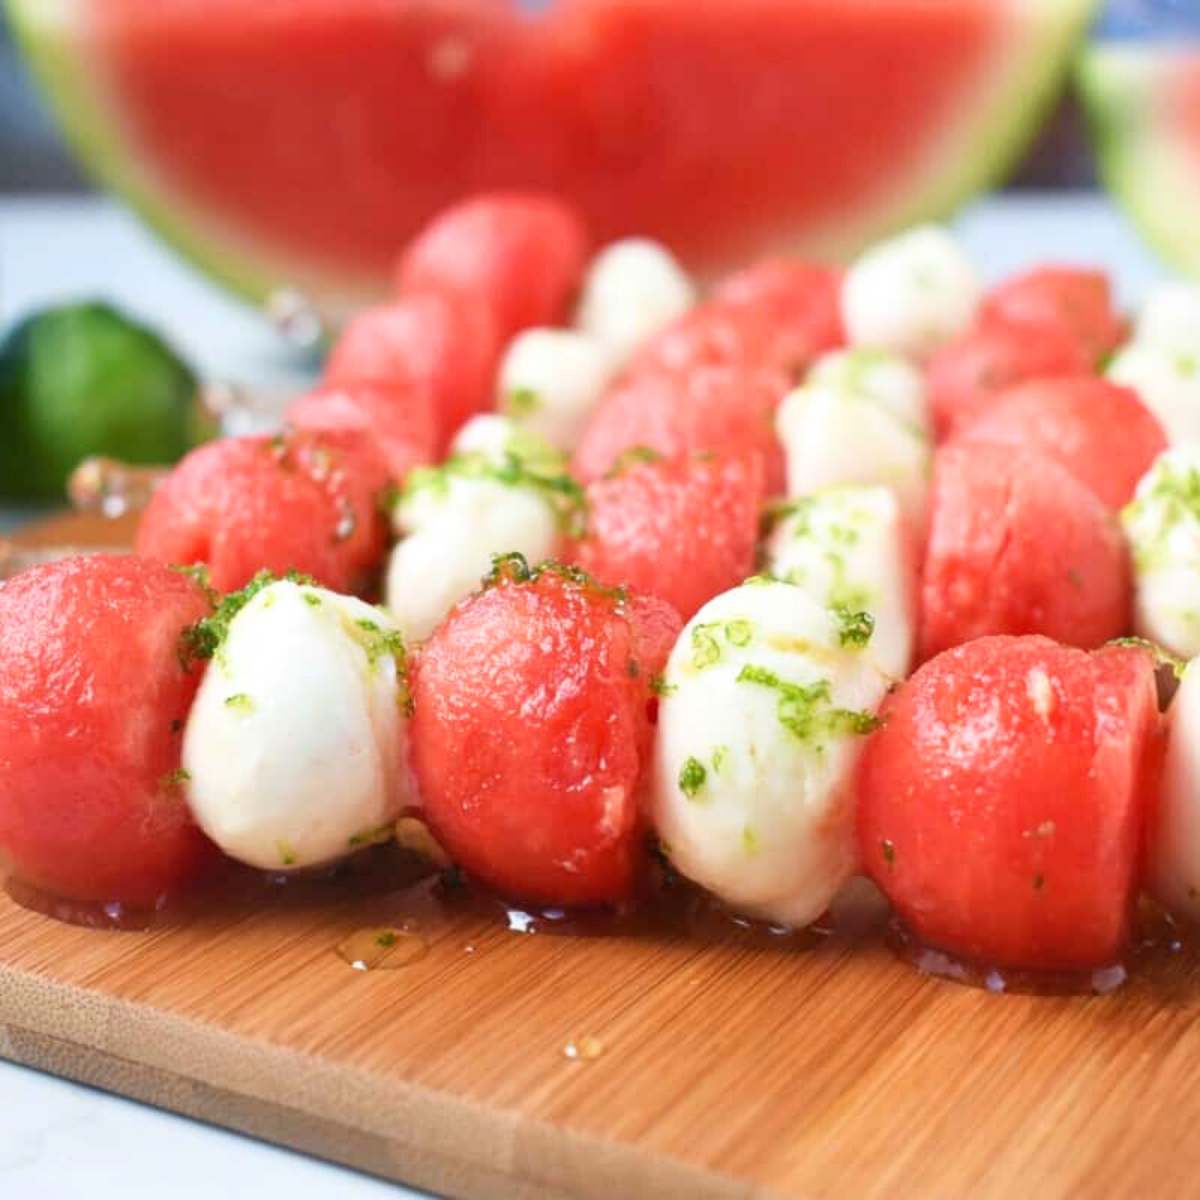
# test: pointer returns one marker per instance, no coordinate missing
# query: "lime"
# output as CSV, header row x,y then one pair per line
x,y
83,379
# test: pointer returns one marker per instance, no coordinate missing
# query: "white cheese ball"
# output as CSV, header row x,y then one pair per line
x,y
833,437
489,435
1170,318
1167,381
551,380
1173,842
887,379
634,289
763,716
296,745
911,294
1162,523
849,549
454,524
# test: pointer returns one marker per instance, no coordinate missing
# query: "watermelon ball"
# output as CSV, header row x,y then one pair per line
x,y
1173,839
94,692
444,343
522,254
295,746
767,700
400,420
1163,527
683,530
1018,545
776,315
965,375
531,733
550,382
304,502
633,290
911,294
1002,801
1073,300
851,549
1099,432
720,410
1167,379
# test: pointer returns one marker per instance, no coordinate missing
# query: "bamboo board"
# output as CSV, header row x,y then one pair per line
x,y
728,1067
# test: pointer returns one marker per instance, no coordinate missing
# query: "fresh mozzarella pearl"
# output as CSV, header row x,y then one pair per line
x,y
295,747
455,523
1168,382
489,435
833,437
887,379
848,548
760,726
1174,836
1163,526
634,289
551,380
1170,318
911,294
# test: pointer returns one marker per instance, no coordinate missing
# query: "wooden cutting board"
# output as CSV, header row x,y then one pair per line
x,y
725,1065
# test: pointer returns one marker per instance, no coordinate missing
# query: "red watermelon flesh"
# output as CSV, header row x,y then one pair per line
x,y
305,141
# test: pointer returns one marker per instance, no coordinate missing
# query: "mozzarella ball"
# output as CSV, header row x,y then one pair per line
x,y
1167,381
296,745
762,719
551,380
911,294
848,548
1170,318
1173,840
887,379
455,523
1162,523
833,437
498,440
633,290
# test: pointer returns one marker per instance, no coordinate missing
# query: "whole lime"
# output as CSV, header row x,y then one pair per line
x,y
83,379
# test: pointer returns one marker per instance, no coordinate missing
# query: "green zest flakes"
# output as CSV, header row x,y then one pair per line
x,y
514,568
854,628
521,402
1162,658
631,458
719,756
205,639
175,779
1173,497
198,573
749,840
287,856
806,710
692,777
660,687
378,643
241,702
312,599
371,837
707,638
385,939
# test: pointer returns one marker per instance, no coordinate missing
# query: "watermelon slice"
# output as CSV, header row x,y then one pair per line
x,y
300,143
1143,103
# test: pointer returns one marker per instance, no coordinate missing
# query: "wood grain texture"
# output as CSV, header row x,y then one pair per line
x,y
730,1068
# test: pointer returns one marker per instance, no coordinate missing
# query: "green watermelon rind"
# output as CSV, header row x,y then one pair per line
x,y
76,97
1140,163
981,151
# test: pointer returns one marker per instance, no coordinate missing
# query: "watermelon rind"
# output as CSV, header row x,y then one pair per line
x,y
977,147
1142,161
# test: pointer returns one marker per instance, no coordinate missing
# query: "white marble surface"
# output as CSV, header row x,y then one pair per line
x,y
59,1141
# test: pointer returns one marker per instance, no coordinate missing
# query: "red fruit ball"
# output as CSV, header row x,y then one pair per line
x,y
776,316
684,530
1018,545
531,735
399,420
1002,801
722,410
1076,301
966,376
1103,434
523,254
304,502
442,343
94,694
